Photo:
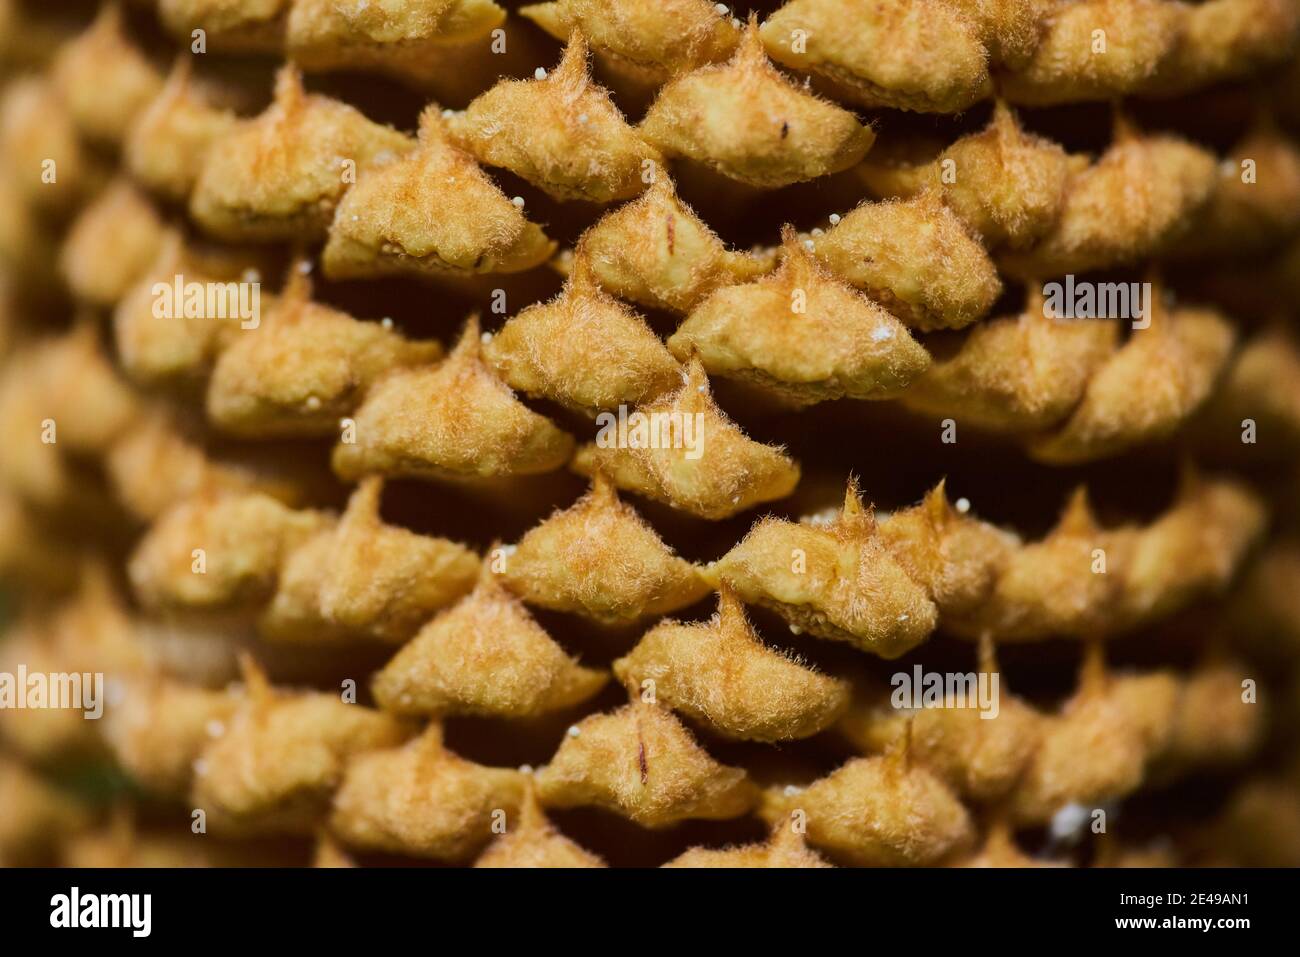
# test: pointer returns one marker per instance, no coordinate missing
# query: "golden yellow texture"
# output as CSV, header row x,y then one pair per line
x,y
111,244
641,763
457,420
655,251
583,349
1262,385
598,558
93,630
169,138
1119,721
980,755
917,56
1083,580
1224,39
48,163
1195,547
1010,29
887,302
1068,384
486,655
433,212
720,674
1005,184
1096,50
878,812
423,800
846,581
89,632
155,465
304,366
104,79
1218,721
32,467
883,585
403,24
159,728
280,756
1139,196
36,814
1255,202
1022,373
86,396
218,551
232,26
60,399
713,471
50,735
1050,586
560,131
166,346
916,258
434,44
281,174
785,848
535,842
1173,363
802,334
363,578
81,389
645,43
745,120
123,843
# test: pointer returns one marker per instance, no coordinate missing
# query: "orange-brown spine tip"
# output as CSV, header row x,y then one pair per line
x,y
572,69
937,509
899,756
602,488
1035,302
182,72
1004,117
470,343
290,94
432,127
582,277
695,379
854,512
1077,517
1093,674
363,503
751,49
256,682
297,290
429,744
531,816
730,607
1123,129
988,653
